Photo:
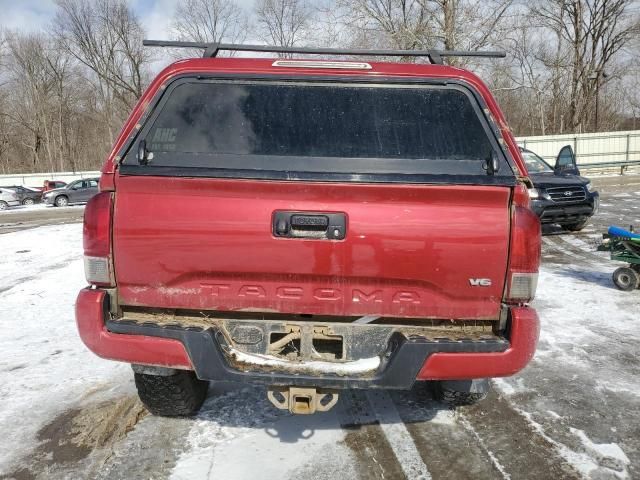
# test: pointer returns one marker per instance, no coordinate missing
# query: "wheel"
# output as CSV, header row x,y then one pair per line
x,y
576,227
3,205
461,393
626,278
61,201
177,395
28,201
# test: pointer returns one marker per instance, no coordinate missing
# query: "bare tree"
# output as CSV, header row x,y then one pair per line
x,y
50,117
4,56
283,22
468,24
106,37
210,21
529,77
596,31
34,83
41,79
535,72
421,24
5,126
403,24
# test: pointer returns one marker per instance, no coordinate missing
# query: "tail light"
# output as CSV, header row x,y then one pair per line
x,y
98,265
524,259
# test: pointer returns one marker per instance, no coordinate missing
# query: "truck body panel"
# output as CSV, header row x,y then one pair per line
x,y
208,244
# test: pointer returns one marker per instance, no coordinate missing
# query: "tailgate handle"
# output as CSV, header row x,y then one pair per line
x,y
310,222
321,226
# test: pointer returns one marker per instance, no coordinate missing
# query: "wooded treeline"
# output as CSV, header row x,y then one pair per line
x,y
571,66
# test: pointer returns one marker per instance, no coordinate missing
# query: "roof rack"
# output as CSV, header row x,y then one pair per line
x,y
212,49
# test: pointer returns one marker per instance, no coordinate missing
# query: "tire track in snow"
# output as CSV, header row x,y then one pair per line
x,y
510,441
447,448
553,248
579,251
494,461
587,242
397,435
55,266
29,255
569,253
375,457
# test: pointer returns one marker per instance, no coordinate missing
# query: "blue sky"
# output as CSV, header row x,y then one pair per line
x,y
33,15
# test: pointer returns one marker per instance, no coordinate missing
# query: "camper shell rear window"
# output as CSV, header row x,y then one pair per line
x,y
354,131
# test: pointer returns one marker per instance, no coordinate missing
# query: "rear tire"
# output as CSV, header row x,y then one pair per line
x,y
177,395
28,201
3,205
61,201
450,394
626,278
576,227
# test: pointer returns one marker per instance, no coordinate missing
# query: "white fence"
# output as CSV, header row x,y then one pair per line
x,y
589,147
37,179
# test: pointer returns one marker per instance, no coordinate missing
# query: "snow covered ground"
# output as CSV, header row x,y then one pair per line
x,y
573,413
44,367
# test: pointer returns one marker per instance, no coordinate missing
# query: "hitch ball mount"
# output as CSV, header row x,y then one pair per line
x,y
302,401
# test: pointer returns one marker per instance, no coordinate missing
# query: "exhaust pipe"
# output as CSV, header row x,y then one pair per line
x,y
302,401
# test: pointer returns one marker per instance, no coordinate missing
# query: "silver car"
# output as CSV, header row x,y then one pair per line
x,y
79,191
8,198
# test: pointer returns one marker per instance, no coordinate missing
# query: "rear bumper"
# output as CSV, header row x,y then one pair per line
x,y
204,351
91,312
524,330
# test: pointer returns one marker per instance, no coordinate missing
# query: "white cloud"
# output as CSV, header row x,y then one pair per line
x,y
26,15
156,19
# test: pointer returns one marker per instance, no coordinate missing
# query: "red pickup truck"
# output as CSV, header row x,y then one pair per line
x,y
312,226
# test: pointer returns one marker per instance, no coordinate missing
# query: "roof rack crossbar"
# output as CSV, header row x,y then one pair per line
x,y
212,49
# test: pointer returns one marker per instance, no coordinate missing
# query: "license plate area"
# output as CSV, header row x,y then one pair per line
x,y
298,343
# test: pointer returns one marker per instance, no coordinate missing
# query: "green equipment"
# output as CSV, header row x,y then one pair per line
x,y
624,246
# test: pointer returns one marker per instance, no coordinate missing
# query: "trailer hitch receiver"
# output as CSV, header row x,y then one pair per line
x,y
302,401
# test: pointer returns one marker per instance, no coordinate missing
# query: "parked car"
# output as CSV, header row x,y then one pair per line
x,y
560,195
312,226
27,196
8,198
52,184
79,191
